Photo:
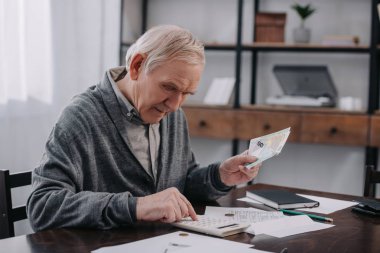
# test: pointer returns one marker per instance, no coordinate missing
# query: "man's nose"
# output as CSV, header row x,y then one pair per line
x,y
174,101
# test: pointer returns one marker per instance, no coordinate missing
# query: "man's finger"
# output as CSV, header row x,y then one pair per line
x,y
184,208
246,160
177,212
192,212
245,152
250,172
190,208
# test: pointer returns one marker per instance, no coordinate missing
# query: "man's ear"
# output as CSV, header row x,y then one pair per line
x,y
136,66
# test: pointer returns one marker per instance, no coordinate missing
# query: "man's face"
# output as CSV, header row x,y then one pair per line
x,y
164,89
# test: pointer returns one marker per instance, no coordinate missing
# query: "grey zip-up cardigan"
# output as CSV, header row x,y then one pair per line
x,y
89,177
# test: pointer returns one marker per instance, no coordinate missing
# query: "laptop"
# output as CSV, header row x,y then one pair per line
x,y
304,86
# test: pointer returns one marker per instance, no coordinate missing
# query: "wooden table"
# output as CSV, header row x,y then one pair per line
x,y
352,233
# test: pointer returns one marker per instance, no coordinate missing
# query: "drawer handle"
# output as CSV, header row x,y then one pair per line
x,y
202,123
333,130
266,127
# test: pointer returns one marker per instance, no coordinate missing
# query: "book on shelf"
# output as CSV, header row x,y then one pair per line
x,y
281,199
220,91
341,40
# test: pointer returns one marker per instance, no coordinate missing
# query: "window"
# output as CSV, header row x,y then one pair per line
x,y
26,51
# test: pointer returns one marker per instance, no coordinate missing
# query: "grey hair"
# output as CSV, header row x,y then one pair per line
x,y
166,43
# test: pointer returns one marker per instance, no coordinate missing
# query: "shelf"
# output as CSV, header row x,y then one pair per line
x,y
301,109
220,47
282,47
309,125
208,46
188,104
278,108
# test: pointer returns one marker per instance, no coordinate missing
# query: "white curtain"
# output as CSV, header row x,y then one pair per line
x,y
26,55
50,50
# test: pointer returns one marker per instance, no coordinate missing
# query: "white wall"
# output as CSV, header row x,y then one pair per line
x,y
320,167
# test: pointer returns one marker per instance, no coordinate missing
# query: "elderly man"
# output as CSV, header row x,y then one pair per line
x,y
120,151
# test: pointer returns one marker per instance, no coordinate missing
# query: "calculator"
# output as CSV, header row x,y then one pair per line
x,y
212,226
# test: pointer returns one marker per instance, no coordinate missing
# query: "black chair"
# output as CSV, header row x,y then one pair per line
x,y
371,179
8,214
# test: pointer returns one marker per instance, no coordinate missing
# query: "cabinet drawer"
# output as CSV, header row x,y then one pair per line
x,y
211,123
252,124
335,129
375,131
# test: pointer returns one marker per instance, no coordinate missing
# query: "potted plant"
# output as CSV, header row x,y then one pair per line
x,y
302,34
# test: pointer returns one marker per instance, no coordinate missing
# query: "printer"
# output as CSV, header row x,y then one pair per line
x,y
304,86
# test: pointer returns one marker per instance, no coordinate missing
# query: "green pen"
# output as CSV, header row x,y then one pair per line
x,y
321,218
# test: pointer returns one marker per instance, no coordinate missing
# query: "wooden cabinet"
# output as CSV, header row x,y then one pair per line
x,y
307,126
211,123
335,129
251,124
374,139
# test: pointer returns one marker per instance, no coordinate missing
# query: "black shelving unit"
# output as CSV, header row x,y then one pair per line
x,y
371,157
373,50
371,153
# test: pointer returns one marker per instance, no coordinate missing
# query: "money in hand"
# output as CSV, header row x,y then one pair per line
x,y
267,146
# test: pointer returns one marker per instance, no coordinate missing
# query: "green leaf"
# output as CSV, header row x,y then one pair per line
x,y
304,11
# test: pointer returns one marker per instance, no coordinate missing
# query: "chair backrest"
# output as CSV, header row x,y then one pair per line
x,y
371,179
8,214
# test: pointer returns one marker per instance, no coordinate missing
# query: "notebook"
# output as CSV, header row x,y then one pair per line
x,y
281,199
368,206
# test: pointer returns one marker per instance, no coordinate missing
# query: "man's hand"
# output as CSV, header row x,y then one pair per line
x,y
233,172
167,206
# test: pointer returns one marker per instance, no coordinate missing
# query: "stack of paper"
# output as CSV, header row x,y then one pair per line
x,y
340,40
289,225
242,214
267,146
271,223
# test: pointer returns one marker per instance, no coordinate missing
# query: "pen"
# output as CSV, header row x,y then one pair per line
x,y
178,245
321,218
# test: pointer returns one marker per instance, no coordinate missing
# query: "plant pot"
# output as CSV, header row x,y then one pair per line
x,y
301,35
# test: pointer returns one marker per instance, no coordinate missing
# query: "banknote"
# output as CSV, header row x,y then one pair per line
x,y
267,146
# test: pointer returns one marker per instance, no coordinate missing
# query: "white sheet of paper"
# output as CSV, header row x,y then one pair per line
x,y
290,225
176,242
327,205
241,214
220,249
